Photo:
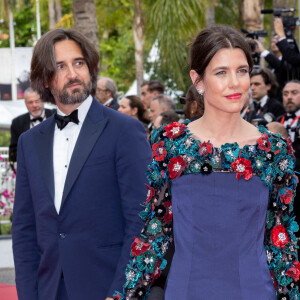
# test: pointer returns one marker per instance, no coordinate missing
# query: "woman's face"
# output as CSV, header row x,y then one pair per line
x,y
125,108
226,81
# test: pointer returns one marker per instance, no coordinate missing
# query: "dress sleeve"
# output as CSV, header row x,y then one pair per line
x,y
148,250
280,241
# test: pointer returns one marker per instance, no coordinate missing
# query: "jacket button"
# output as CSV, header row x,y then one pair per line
x,y
62,236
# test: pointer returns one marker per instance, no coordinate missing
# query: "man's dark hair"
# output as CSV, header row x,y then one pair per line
x,y
165,101
268,78
169,116
293,81
154,85
43,63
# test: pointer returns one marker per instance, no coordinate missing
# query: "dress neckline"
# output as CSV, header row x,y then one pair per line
x,y
260,128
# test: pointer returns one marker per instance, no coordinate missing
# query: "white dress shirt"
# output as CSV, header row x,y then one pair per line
x,y
32,124
63,146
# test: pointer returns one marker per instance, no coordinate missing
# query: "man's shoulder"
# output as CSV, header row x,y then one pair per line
x,y
20,119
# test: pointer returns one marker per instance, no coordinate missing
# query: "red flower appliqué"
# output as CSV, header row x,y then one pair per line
x,y
150,193
286,196
156,272
174,130
205,148
169,213
289,146
294,270
242,167
176,166
264,143
279,236
138,247
158,151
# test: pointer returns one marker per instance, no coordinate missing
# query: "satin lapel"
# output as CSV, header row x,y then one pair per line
x,y
92,128
44,144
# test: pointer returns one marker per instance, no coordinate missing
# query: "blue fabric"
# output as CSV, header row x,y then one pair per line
x,y
89,240
219,225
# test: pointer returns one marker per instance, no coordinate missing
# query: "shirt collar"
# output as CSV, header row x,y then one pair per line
x,y
108,101
83,109
263,101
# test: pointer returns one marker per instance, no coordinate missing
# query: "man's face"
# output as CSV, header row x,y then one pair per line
x,y
258,87
155,110
34,104
147,96
72,82
102,94
291,97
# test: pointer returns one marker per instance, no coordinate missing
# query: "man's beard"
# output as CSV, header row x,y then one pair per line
x,y
291,107
77,95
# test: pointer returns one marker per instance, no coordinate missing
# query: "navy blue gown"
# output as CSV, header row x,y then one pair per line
x,y
219,225
229,212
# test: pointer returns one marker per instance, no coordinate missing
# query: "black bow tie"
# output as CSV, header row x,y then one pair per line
x,y
62,121
40,119
290,116
256,105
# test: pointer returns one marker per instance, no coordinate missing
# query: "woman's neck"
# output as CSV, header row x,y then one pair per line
x,y
221,124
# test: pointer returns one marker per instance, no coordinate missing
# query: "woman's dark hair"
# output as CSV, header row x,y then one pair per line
x,y
43,64
135,101
193,95
212,39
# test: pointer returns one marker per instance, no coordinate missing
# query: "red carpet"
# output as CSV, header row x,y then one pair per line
x,y
8,292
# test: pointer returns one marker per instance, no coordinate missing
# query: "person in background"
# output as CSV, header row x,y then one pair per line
x,y
291,121
166,117
133,106
160,104
150,89
248,112
193,105
35,115
264,87
106,92
276,127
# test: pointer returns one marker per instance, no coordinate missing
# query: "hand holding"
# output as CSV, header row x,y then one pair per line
x,y
278,27
260,48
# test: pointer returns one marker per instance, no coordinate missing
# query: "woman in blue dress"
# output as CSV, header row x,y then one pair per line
x,y
221,190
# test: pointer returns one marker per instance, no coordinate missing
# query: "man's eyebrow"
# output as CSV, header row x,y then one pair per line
x,y
76,58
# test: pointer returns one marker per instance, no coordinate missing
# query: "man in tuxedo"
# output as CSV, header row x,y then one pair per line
x,y
80,179
263,87
106,92
291,121
36,114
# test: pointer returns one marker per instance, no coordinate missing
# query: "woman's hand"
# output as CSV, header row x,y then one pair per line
x,y
109,299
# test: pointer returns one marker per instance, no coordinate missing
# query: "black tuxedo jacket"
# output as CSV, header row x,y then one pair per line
x,y
19,125
274,107
113,104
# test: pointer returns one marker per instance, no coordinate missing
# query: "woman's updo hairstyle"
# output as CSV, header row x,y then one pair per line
x,y
212,39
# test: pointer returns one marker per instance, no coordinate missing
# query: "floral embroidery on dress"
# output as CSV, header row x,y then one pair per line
x,y
176,153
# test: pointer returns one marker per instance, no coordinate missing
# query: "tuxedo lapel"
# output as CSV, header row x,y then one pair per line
x,y
92,128
44,144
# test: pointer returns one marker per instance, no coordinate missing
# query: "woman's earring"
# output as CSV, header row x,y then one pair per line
x,y
200,91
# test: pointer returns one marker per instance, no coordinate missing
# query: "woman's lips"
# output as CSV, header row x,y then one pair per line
x,y
235,96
